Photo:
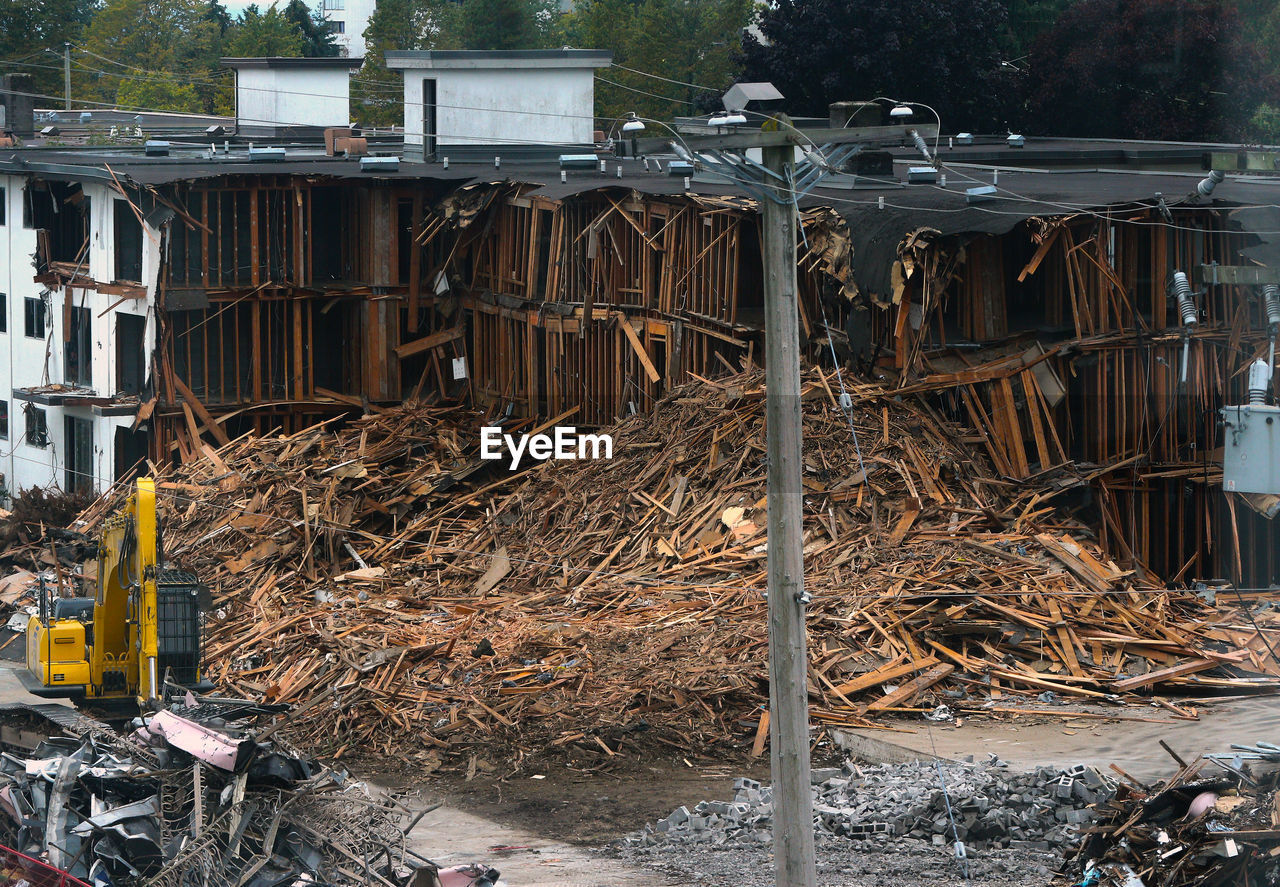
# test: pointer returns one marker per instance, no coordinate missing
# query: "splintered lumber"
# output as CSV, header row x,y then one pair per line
x,y
446,603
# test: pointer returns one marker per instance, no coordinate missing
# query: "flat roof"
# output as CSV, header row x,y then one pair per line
x,y
400,59
875,230
286,62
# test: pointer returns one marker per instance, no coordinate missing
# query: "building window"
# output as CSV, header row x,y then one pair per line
x,y
4,313
77,351
131,364
4,420
128,243
79,445
3,205
338,27
335,4
33,318
37,426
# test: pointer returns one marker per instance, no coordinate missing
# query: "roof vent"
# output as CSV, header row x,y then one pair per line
x,y
271,154
980,194
922,175
50,132
578,161
85,117
156,148
1016,141
379,164
964,138
214,131
679,168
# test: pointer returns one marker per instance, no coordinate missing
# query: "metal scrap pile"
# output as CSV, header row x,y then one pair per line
x,y
1214,822
197,800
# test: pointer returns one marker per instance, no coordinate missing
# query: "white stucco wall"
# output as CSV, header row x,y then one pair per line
x,y
26,362
496,106
354,15
293,97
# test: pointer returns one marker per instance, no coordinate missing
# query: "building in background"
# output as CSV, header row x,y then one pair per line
x,y
349,18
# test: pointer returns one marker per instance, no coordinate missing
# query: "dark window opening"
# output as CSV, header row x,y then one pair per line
x,y
4,420
61,210
4,313
78,350
33,318
37,432
4,206
428,116
131,364
128,233
79,446
130,452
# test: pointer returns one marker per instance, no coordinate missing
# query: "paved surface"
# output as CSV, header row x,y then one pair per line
x,y
1133,745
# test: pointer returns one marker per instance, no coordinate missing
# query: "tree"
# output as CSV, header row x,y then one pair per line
x,y
506,24
32,31
177,41
377,93
258,33
946,55
1148,69
315,29
692,43
1027,20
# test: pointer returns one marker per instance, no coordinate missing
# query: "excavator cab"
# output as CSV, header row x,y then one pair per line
x,y
140,629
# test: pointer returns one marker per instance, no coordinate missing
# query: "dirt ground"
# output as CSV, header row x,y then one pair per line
x,y
590,809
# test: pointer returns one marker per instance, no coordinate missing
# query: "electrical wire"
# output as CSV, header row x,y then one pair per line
x,y
665,79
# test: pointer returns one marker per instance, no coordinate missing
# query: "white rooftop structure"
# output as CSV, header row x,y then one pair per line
x,y
278,96
469,99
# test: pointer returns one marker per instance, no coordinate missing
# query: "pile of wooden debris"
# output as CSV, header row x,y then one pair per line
x,y
404,594
1215,821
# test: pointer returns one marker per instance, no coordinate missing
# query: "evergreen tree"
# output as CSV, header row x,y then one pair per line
x,y
259,33
506,24
317,33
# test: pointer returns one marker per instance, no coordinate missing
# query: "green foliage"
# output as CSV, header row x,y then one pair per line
x,y
682,40
1264,125
506,24
158,94
259,33
38,28
179,38
316,32
945,55
376,93
1181,70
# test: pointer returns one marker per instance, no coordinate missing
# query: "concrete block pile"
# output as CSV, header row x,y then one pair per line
x,y
993,807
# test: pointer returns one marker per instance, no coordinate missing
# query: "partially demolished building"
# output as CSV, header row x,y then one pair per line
x,y
159,304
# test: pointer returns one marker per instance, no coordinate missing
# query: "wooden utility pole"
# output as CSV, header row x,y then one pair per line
x,y
777,184
793,854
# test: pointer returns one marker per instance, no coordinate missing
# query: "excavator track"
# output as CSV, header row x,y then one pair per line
x,y
23,726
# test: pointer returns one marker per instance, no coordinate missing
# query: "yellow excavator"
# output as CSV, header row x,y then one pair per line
x,y
140,633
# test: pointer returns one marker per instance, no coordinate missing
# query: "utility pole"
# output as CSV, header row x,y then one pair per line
x,y
778,183
66,75
793,854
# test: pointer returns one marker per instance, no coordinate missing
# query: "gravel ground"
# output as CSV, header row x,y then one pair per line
x,y
846,863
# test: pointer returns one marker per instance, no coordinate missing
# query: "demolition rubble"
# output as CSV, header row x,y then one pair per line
x,y
986,806
193,797
409,597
